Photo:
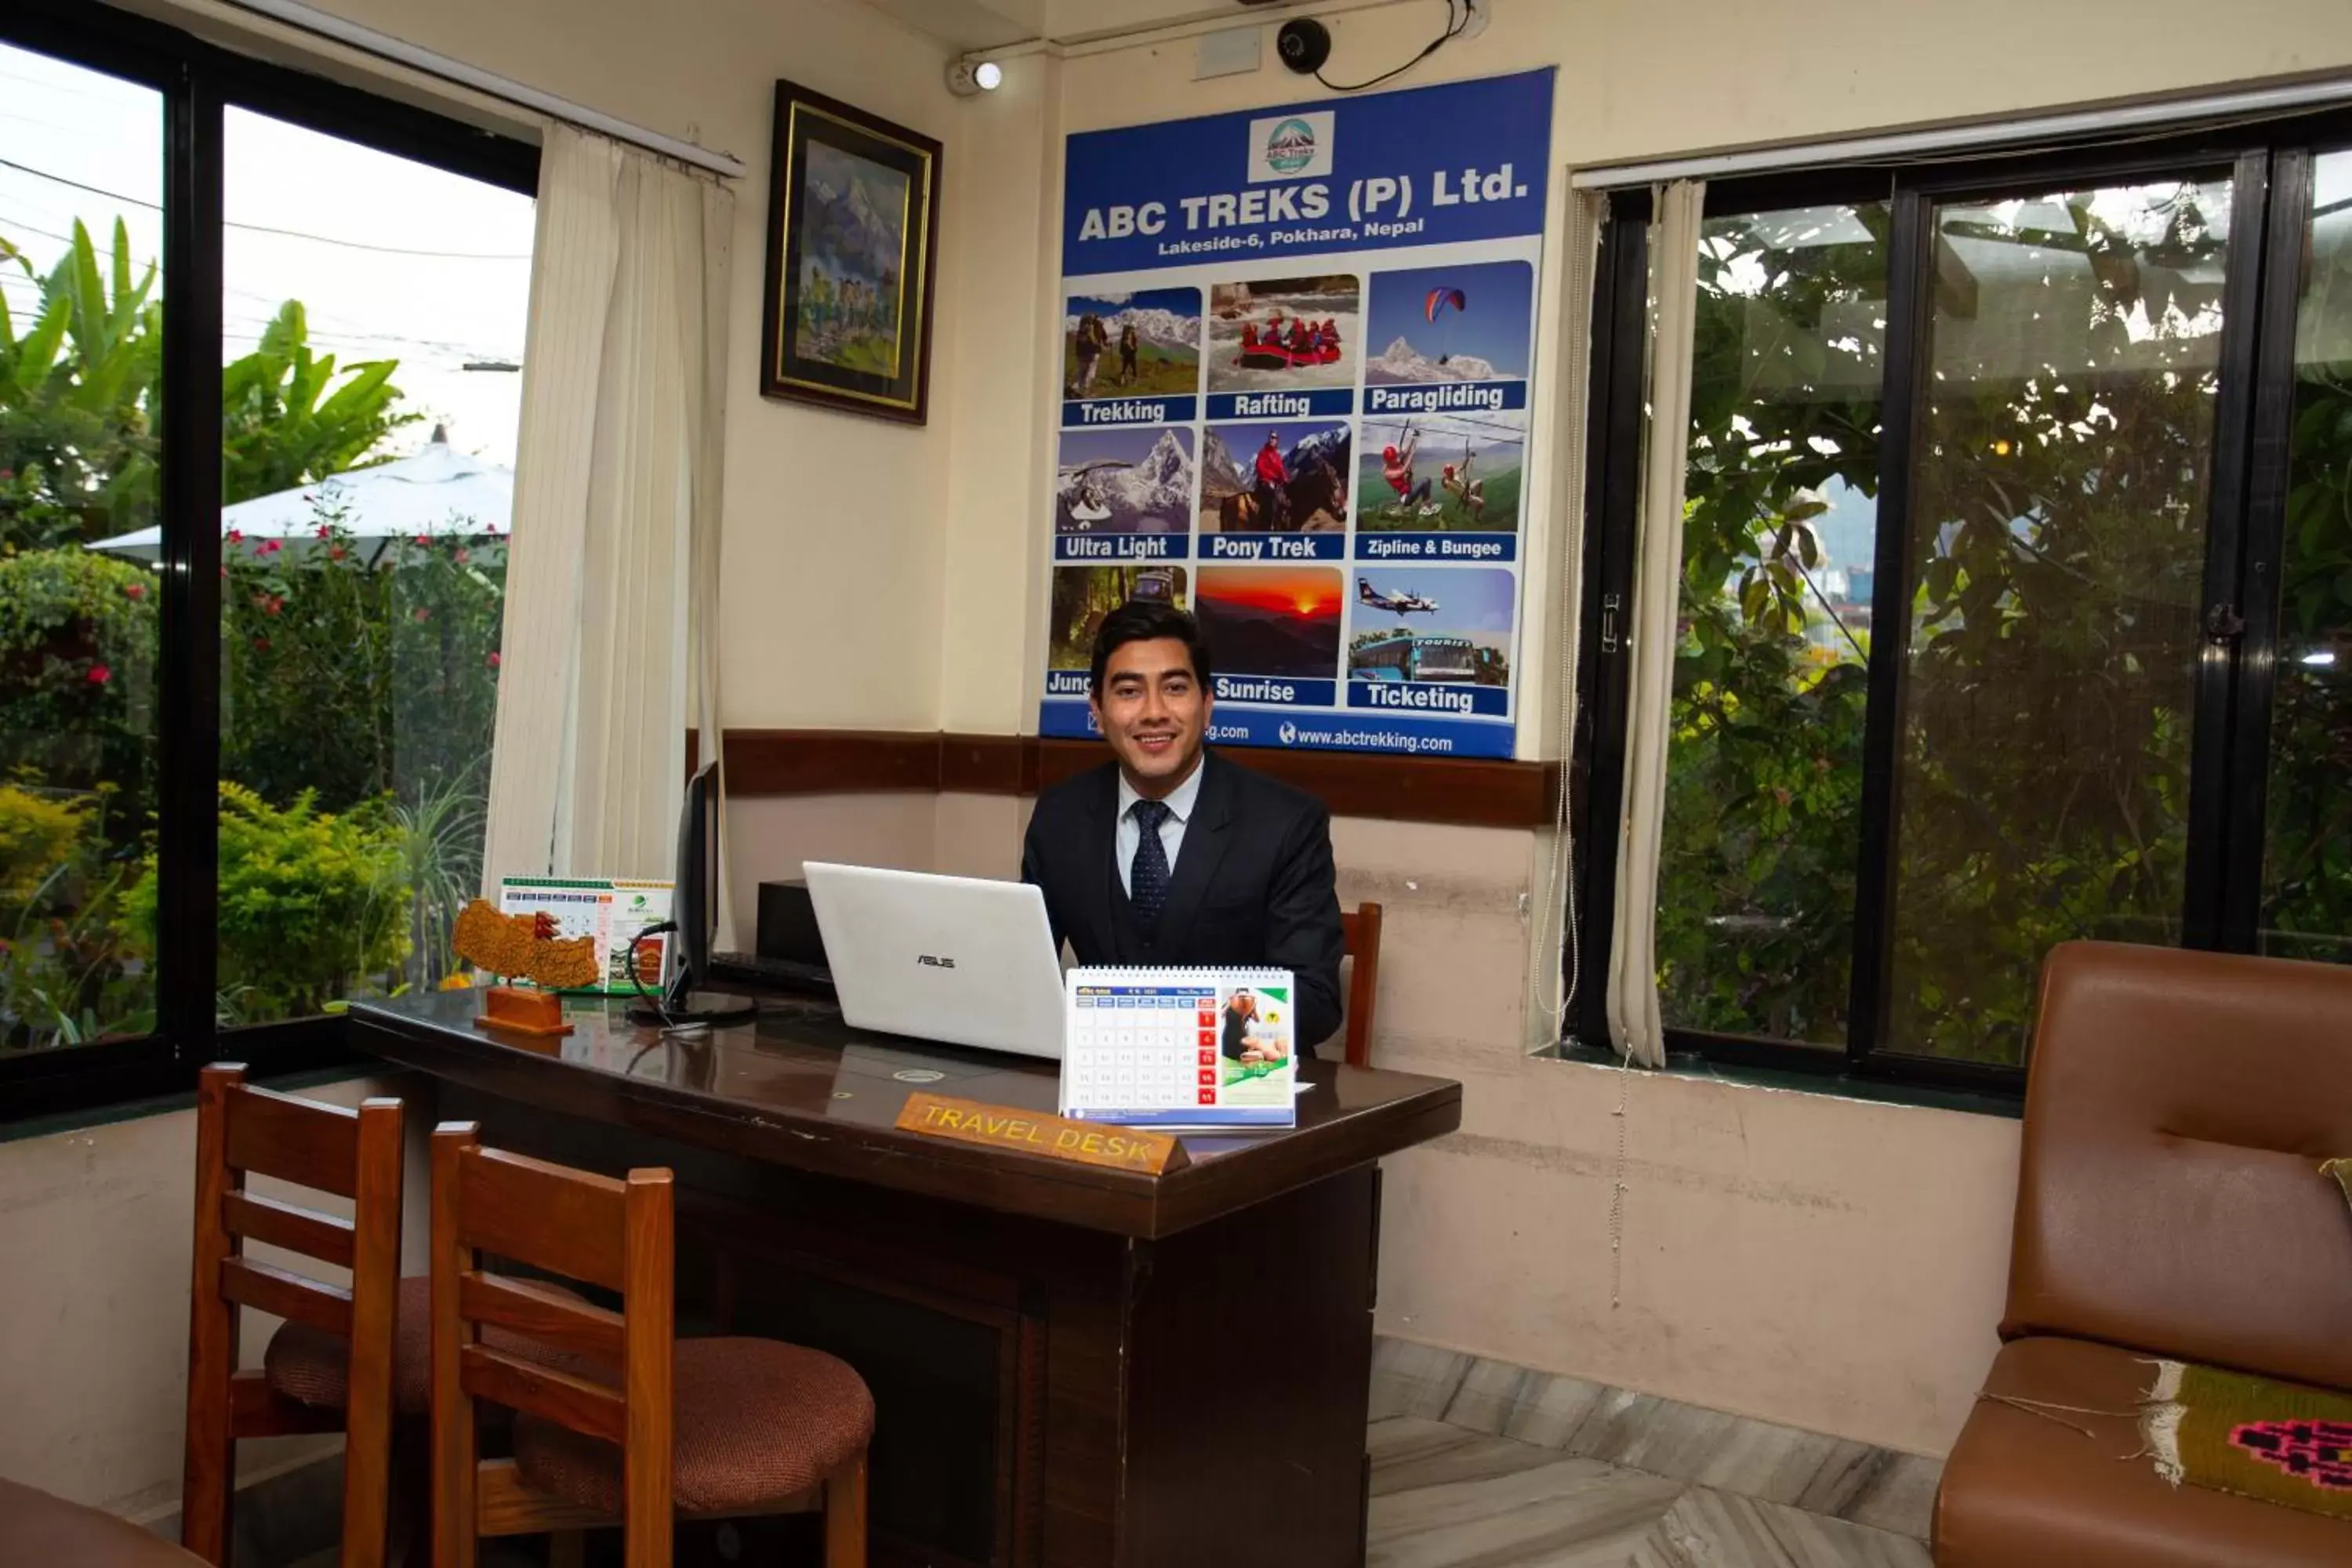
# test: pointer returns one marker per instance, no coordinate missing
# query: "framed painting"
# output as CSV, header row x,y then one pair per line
x,y
853,220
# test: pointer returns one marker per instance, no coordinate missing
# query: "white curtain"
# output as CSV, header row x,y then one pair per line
x,y
1557,982
612,570
1633,1019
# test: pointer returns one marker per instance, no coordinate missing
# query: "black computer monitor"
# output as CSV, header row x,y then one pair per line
x,y
694,911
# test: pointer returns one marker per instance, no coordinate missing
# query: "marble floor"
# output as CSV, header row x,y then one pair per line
x,y
1447,1497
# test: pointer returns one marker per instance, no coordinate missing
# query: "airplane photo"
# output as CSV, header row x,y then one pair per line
x,y
1395,604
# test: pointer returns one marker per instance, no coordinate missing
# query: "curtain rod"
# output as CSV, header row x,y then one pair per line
x,y
384,46
1896,146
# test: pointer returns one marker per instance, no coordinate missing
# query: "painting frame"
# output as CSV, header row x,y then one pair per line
x,y
830,333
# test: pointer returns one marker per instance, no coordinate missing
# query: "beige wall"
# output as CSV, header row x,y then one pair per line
x,y
95,1227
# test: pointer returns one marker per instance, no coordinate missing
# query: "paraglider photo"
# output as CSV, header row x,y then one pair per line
x,y
1441,473
1134,479
1131,344
1261,477
1277,333
1272,620
1449,624
1450,324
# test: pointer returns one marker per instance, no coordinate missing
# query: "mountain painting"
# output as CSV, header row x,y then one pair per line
x,y
853,237
852,279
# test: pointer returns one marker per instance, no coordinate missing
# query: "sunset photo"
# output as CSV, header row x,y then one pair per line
x,y
1272,620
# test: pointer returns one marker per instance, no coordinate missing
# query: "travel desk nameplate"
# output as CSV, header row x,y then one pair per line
x,y
1035,1132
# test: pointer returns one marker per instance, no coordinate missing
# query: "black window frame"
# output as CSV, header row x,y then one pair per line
x,y
199,81
2270,163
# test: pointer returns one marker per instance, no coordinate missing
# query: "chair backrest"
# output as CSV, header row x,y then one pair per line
x,y
242,1129
1361,928
618,1235
2169,1199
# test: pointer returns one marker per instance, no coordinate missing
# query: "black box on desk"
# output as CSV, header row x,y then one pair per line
x,y
787,927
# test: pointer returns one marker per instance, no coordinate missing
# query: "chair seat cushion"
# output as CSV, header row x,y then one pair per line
x,y
36,1528
757,1423
313,1367
2022,1491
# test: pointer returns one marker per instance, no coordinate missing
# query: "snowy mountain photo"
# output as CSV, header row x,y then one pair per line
x,y
1110,481
1401,362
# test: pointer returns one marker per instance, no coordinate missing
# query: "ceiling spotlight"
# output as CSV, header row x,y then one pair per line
x,y
966,78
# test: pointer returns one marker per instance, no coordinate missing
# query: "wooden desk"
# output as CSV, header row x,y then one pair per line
x,y
1073,1366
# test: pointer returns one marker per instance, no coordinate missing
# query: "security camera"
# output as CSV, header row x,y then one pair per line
x,y
1304,45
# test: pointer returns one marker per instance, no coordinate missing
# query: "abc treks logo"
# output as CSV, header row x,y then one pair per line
x,y
1289,733
1291,147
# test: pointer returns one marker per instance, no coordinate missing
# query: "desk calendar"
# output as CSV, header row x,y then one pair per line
x,y
610,911
1180,1048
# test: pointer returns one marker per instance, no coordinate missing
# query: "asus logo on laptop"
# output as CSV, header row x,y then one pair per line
x,y
935,962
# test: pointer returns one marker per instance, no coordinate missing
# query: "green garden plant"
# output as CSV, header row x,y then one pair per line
x,y
313,906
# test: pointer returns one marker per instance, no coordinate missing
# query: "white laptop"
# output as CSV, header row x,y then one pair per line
x,y
955,959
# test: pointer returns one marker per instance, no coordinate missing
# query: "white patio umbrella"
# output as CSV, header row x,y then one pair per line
x,y
440,490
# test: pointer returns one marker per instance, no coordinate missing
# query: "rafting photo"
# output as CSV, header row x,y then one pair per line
x,y
1276,477
1135,479
1275,334
1131,344
1450,324
1441,473
1423,622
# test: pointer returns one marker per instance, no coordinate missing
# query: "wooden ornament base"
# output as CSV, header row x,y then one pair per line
x,y
514,1011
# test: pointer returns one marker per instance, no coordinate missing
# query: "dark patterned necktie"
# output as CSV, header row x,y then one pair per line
x,y
1148,877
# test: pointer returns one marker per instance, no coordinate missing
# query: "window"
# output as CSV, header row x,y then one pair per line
x,y
242,757
2016,575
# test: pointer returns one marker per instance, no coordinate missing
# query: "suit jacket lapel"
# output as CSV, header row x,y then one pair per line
x,y
1206,838
1102,838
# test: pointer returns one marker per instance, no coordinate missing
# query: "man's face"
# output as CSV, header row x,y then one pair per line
x,y
1153,713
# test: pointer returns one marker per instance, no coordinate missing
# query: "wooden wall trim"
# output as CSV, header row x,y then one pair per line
x,y
1461,792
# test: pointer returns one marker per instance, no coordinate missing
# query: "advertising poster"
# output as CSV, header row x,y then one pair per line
x,y
1296,345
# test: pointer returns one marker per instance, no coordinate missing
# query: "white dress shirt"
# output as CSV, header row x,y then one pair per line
x,y
1179,801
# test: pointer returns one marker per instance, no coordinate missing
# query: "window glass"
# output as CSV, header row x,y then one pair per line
x,y
2307,910
1762,826
82,322
373,311
2058,555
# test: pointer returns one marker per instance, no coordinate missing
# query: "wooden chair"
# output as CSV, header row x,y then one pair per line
x,y
634,1423
1361,928
354,1154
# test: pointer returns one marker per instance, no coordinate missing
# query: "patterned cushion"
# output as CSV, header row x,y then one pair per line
x,y
313,1367
757,1422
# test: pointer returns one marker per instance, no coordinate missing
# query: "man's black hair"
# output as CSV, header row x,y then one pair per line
x,y
1140,620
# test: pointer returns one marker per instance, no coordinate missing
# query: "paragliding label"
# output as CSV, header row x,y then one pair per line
x,y
1297,344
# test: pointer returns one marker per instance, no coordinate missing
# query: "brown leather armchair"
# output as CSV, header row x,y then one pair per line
x,y
2168,1204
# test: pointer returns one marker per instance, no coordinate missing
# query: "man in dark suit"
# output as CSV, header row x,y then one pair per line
x,y
1170,854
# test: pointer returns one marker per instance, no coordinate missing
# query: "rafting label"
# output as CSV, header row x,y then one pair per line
x,y
1296,353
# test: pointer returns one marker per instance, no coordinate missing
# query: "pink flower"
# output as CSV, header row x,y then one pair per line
x,y
7,474
494,659
236,536
460,557
100,675
261,644
336,552
269,547
324,531
134,590
422,540
423,613
272,605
